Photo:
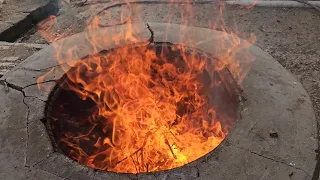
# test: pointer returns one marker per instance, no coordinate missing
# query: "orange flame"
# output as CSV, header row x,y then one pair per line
x,y
154,107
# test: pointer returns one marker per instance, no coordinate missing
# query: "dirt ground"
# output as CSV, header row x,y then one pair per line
x,y
290,35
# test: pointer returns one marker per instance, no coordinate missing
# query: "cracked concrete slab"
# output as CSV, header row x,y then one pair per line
x,y
13,129
21,78
187,36
36,108
36,61
241,164
42,93
83,175
39,144
81,47
20,17
59,165
49,58
23,173
292,115
16,139
275,100
11,55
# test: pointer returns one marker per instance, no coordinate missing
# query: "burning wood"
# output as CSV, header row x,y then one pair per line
x,y
151,105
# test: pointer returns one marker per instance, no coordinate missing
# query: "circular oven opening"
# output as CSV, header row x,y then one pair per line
x,y
143,108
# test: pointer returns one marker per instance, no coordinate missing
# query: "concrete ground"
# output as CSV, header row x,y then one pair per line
x,y
13,11
274,101
14,53
18,17
290,35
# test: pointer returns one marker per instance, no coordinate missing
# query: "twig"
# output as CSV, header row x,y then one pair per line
x,y
168,144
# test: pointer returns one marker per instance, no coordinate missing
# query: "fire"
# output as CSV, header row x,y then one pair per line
x,y
152,107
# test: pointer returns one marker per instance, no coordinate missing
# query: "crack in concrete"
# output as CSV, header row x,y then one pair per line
x,y
27,127
49,173
278,161
19,88
154,176
43,159
198,172
152,33
37,83
36,98
12,86
41,69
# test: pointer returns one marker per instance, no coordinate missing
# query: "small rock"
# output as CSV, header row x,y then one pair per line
x,y
292,164
291,174
273,134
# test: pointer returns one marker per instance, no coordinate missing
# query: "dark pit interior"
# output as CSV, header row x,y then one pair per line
x,y
68,116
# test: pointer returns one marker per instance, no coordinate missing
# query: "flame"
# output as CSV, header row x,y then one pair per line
x,y
153,108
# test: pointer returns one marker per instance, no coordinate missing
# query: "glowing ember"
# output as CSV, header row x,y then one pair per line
x,y
150,109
